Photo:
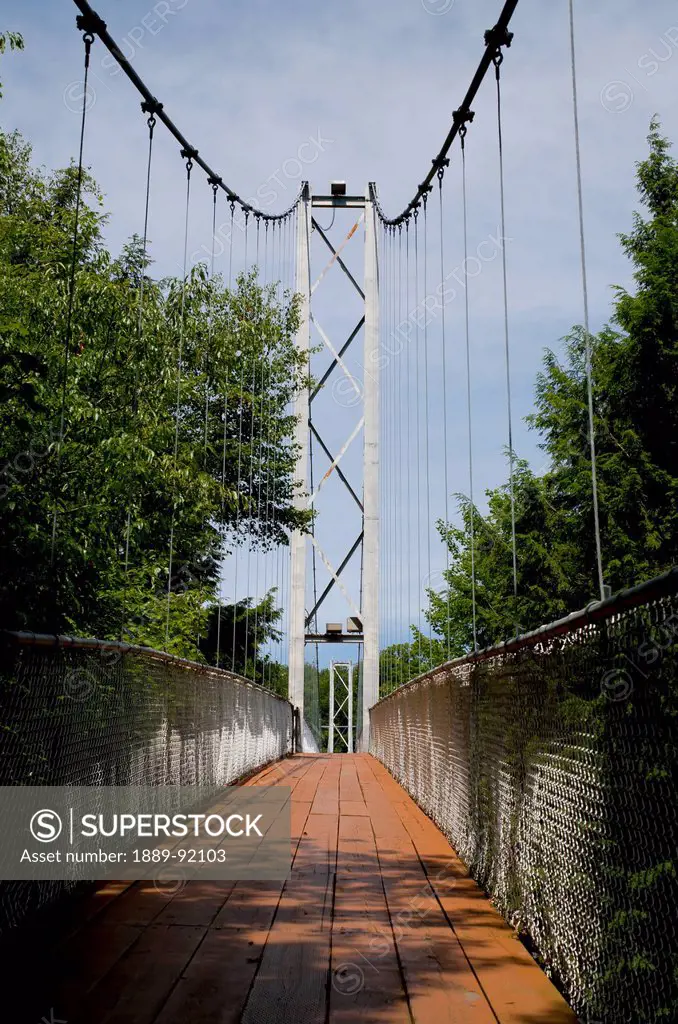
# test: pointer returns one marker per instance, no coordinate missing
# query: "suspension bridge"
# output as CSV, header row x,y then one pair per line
x,y
484,836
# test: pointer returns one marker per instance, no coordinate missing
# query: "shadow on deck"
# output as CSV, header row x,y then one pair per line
x,y
378,922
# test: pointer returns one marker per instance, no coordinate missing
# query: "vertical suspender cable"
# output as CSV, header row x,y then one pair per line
x,y
251,509
208,352
441,174
392,494
585,291
270,562
189,167
263,462
210,331
417,412
395,597
409,426
469,407
261,470
427,473
251,458
399,603
88,39
498,58
389,417
270,463
140,326
240,357
383,589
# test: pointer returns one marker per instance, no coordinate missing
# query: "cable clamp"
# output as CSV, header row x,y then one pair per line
x,y
498,37
151,106
91,24
463,117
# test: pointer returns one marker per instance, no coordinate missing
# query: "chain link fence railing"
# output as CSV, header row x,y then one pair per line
x,y
86,713
551,763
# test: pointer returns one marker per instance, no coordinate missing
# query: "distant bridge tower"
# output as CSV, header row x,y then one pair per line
x,y
360,379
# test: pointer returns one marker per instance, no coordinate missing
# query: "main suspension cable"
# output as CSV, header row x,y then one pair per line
x,y
93,24
495,37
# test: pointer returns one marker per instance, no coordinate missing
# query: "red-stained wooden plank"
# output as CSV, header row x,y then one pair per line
x,y
516,987
291,983
366,981
441,986
215,985
135,990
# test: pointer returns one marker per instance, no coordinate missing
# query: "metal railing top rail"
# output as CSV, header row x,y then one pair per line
x,y
27,638
642,593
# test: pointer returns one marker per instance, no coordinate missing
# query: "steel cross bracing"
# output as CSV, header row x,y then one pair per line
x,y
337,362
362,605
340,734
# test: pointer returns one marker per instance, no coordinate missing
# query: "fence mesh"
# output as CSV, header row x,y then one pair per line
x,y
552,767
86,714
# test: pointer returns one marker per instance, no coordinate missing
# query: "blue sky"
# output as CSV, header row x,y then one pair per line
x,y
372,86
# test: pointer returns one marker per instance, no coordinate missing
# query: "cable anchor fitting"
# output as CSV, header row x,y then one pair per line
x,y
151,107
439,164
216,184
462,118
189,156
425,189
496,38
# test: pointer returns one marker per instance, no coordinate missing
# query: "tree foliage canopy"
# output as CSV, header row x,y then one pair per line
x,y
165,395
635,378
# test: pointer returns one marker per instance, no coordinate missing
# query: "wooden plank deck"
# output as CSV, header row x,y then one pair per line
x,y
378,922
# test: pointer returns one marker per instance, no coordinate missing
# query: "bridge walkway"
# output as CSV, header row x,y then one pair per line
x,y
378,922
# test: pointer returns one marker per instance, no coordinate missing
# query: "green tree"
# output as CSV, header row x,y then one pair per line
x,y
10,41
401,662
198,447
237,636
635,375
